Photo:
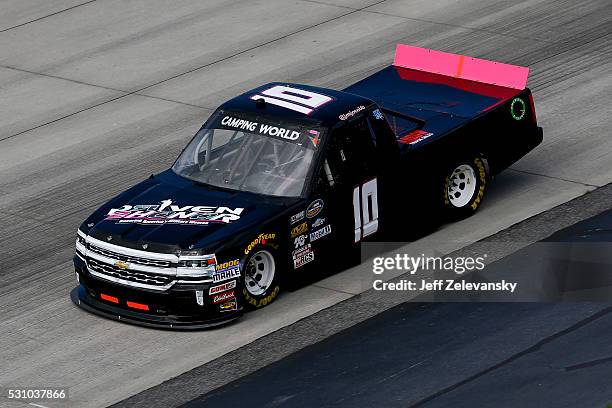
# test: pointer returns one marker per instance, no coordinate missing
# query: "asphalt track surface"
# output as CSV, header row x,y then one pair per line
x,y
445,355
96,95
454,354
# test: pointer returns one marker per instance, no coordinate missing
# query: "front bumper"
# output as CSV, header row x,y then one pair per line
x,y
175,308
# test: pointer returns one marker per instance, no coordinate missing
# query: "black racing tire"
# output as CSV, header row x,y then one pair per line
x,y
464,187
258,288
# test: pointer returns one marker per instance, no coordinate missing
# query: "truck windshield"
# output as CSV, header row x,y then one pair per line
x,y
250,155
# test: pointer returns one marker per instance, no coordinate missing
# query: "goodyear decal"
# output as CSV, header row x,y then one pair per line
x,y
260,240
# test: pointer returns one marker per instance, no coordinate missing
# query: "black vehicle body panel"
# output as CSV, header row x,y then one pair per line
x,y
259,212
462,115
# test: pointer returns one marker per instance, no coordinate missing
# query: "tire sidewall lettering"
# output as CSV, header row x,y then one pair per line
x,y
482,175
257,303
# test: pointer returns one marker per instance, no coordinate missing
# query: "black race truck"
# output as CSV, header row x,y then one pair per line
x,y
286,179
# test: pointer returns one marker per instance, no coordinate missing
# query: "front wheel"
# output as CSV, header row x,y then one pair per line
x,y
260,279
464,187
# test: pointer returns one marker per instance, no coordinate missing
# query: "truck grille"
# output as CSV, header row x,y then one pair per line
x,y
130,259
144,278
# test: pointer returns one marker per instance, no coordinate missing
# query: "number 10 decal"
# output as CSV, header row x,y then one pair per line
x,y
365,208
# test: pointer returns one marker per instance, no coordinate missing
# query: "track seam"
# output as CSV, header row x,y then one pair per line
x,y
555,178
136,92
515,357
421,20
48,15
334,290
76,81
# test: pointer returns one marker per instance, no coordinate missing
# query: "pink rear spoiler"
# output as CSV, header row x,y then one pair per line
x,y
460,66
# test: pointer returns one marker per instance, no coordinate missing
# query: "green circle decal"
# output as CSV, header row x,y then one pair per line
x,y
518,109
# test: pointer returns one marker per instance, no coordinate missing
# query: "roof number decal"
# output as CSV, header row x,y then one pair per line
x,y
296,99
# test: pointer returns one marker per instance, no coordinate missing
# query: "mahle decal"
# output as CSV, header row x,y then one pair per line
x,y
227,270
167,213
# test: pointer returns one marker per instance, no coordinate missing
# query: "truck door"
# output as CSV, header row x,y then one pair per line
x,y
350,172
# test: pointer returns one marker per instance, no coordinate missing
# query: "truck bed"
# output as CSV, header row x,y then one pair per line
x,y
440,100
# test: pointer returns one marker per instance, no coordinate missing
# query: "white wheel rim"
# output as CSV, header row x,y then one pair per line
x,y
259,273
461,185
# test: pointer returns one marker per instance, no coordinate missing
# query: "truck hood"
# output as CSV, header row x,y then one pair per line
x,y
167,213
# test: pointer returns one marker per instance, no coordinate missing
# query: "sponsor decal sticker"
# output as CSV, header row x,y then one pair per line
x,y
518,108
300,241
222,297
297,217
260,240
222,288
238,123
299,229
352,113
415,136
314,208
228,306
226,270
320,233
261,128
225,275
314,137
378,114
318,222
302,256
168,213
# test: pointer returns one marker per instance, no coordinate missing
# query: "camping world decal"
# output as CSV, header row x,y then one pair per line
x,y
166,212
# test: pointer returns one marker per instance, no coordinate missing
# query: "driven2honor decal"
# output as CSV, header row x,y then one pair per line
x,y
167,213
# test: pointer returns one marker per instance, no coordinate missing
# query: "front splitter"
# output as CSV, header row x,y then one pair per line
x,y
80,298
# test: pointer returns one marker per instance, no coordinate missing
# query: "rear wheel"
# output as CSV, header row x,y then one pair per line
x,y
260,278
465,184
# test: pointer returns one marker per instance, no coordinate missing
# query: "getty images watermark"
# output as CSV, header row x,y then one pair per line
x,y
436,273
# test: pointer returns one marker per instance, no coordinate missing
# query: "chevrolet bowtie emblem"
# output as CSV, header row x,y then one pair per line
x,y
121,265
